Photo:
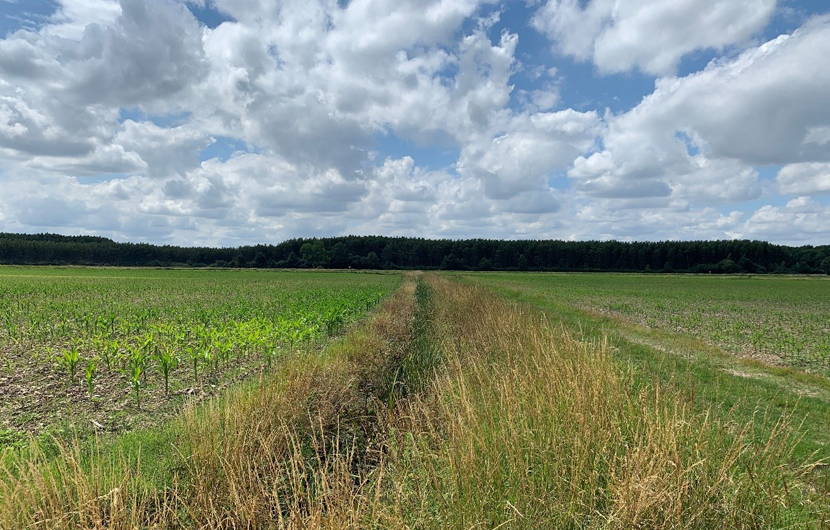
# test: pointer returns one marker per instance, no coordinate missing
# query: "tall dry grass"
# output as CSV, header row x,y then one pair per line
x,y
301,451
530,428
76,489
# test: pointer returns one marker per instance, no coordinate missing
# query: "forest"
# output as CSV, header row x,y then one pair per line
x,y
379,252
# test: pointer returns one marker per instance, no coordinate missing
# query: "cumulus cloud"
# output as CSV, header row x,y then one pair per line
x,y
650,35
806,178
699,137
801,221
165,151
139,122
64,86
533,147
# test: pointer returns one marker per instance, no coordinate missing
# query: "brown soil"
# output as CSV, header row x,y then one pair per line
x,y
36,396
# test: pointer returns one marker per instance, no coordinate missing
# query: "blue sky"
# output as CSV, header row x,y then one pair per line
x,y
226,122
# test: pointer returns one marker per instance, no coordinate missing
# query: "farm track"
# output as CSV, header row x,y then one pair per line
x,y
788,380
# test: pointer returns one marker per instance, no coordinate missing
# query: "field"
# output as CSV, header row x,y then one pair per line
x,y
458,400
757,341
123,348
784,321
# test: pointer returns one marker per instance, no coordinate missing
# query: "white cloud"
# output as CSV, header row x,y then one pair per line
x,y
106,111
74,16
65,85
801,221
533,146
166,151
651,35
699,137
805,178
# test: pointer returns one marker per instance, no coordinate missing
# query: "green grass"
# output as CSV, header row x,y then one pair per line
x,y
708,375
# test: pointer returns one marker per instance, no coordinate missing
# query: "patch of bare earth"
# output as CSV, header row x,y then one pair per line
x,y
36,396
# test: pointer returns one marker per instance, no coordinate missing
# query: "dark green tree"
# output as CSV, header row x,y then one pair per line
x,y
315,254
339,256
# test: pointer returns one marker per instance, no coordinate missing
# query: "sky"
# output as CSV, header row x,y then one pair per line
x,y
234,122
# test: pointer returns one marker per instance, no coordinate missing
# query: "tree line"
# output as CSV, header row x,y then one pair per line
x,y
379,252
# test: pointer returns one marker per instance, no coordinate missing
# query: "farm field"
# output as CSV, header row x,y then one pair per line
x,y
783,321
744,345
415,400
125,348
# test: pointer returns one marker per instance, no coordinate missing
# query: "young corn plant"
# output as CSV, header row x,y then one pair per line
x,y
110,352
167,362
194,354
134,374
268,354
69,360
89,375
136,366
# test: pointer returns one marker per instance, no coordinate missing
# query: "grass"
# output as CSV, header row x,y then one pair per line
x,y
703,373
531,426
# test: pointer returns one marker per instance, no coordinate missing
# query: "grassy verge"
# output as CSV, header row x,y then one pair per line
x,y
705,375
531,426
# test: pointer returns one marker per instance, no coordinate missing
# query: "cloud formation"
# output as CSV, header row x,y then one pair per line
x,y
700,137
418,117
650,35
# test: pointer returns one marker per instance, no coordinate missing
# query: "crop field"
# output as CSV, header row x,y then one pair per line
x,y
411,400
122,348
782,321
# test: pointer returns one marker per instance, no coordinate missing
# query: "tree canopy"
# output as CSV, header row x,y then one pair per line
x,y
378,252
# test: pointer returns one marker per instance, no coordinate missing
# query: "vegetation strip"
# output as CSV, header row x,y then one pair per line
x,y
251,458
530,427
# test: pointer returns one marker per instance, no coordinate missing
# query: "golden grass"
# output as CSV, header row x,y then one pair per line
x,y
530,428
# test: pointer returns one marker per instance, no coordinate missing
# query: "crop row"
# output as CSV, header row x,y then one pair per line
x,y
188,327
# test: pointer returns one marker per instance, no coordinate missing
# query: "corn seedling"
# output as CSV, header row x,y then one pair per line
x,y
110,352
194,354
167,362
69,359
89,375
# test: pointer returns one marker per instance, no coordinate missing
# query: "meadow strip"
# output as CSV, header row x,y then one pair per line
x,y
529,427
